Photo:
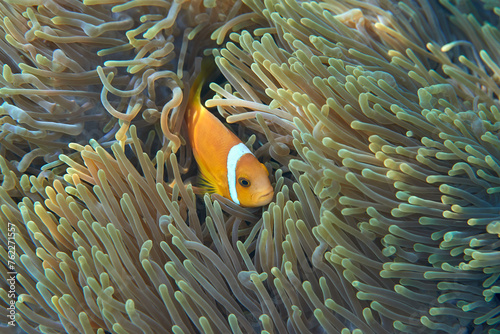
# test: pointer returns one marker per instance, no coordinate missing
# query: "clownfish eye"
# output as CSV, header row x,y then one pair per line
x,y
244,182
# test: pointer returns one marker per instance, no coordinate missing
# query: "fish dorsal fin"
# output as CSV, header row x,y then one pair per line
x,y
207,68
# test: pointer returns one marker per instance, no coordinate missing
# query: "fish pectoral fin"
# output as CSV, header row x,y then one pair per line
x,y
205,184
209,183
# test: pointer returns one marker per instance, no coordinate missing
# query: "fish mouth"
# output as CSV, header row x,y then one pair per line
x,y
271,192
265,198
259,200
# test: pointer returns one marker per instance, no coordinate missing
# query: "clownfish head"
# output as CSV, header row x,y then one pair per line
x,y
249,184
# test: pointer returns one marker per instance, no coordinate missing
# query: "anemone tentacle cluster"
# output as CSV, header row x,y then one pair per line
x,y
379,120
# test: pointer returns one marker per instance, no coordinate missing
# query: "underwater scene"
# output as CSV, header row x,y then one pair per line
x,y
249,166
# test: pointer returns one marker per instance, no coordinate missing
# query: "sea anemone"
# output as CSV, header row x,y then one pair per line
x,y
379,125
49,84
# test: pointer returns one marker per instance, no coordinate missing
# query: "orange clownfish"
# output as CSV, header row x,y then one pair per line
x,y
227,166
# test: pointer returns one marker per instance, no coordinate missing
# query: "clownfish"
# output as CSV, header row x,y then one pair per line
x,y
227,167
